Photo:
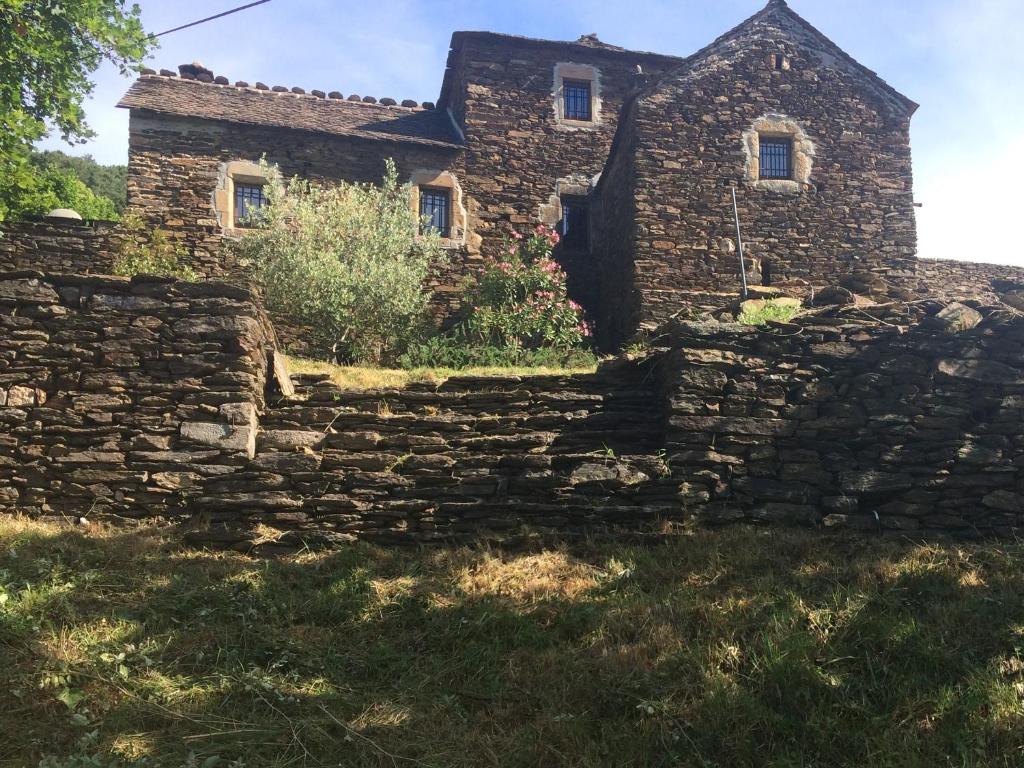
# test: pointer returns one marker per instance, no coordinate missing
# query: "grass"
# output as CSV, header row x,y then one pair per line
x,y
735,648
364,377
761,312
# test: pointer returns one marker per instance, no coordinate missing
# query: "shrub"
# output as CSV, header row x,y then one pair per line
x,y
344,260
520,301
516,313
143,252
456,353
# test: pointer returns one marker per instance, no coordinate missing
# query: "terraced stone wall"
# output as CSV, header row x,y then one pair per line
x,y
117,397
851,424
149,399
491,457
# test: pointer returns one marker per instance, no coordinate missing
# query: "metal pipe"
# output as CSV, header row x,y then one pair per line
x,y
739,244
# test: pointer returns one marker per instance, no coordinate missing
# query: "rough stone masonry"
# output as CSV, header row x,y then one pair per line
x,y
149,399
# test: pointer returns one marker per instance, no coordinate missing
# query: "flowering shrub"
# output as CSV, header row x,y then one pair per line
x,y
520,299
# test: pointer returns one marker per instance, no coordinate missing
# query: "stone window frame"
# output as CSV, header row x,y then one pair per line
x,y
549,212
579,72
802,159
230,173
433,179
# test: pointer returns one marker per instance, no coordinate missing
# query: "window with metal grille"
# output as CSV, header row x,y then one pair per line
x,y
575,226
249,198
776,158
577,100
435,210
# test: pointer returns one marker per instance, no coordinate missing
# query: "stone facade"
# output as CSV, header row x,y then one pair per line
x,y
176,169
520,157
689,138
502,139
495,134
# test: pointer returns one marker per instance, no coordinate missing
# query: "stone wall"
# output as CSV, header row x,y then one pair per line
x,y
118,397
840,422
58,245
150,399
950,279
474,457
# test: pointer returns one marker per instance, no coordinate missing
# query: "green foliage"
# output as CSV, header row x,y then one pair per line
x,y
520,300
48,52
516,312
346,261
451,351
109,181
761,313
53,187
144,252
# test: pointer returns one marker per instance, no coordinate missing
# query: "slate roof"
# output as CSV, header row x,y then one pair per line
x,y
171,95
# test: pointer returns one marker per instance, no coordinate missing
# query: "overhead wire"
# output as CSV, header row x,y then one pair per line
x,y
209,18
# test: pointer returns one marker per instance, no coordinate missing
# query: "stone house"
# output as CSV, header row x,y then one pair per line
x,y
631,155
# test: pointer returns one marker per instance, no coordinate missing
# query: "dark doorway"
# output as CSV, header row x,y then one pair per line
x,y
573,252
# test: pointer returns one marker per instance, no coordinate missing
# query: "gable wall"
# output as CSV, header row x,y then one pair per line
x,y
857,213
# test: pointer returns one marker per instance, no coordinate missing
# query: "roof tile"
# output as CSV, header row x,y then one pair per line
x,y
258,106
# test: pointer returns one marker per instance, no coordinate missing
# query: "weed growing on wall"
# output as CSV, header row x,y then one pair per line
x,y
149,252
346,260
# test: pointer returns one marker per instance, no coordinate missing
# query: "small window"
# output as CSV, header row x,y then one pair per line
x,y
435,210
575,225
577,100
776,158
249,199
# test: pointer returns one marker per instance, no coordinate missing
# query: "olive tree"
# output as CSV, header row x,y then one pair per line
x,y
346,260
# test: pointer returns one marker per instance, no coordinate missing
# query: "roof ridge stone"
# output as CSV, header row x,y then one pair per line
x,y
221,81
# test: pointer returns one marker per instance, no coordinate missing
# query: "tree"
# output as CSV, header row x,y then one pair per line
x,y
49,50
109,181
51,188
345,260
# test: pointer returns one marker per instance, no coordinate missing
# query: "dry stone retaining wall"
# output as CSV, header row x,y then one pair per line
x,y
850,424
148,399
58,245
117,396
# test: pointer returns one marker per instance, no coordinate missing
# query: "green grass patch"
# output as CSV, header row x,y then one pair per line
x,y
761,312
743,647
368,377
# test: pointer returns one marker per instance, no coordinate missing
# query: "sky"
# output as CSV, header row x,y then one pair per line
x,y
962,60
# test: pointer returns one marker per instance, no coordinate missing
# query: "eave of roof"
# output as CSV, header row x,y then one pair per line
x,y
294,109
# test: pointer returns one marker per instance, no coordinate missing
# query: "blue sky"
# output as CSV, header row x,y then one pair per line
x,y
963,61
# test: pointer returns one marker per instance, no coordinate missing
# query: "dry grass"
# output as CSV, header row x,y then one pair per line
x,y
358,377
734,648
